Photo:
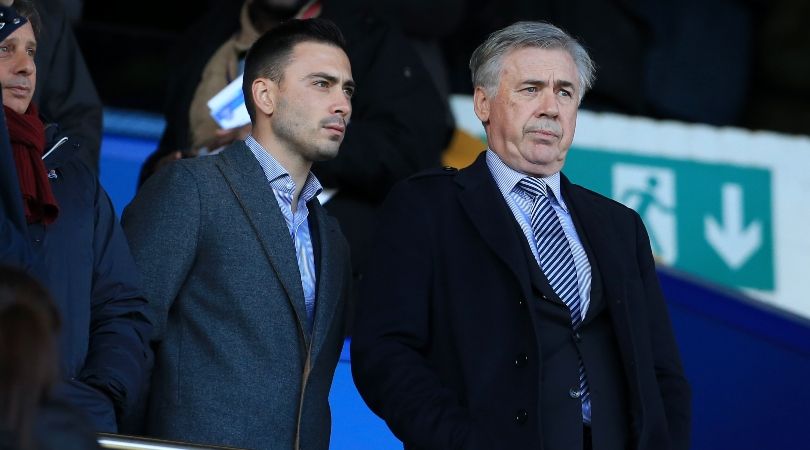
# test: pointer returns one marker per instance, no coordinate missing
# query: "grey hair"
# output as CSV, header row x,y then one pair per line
x,y
487,60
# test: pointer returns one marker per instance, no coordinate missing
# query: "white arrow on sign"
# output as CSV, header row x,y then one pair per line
x,y
734,242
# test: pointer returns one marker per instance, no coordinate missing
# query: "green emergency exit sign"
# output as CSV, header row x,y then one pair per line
x,y
712,220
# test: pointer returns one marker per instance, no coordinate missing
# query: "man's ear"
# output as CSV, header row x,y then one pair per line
x,y
481,103
264,95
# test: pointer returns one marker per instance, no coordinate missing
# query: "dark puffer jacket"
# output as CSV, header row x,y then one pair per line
x,y
84,260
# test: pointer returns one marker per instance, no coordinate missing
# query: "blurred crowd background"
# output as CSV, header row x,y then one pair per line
x,y
722,62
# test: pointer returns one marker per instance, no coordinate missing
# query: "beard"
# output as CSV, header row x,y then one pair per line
x,y
292,127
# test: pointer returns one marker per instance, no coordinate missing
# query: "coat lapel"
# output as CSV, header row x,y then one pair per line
x,y
595,222
247,181
590,219
330,275
491,216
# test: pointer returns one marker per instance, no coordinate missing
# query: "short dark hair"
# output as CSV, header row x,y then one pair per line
x,y
269,55
27,9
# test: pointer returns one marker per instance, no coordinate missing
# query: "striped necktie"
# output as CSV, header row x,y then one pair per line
x,y
556,260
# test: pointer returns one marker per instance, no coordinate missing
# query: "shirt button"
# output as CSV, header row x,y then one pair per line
x,y
544,297
520,416
521,360
574,393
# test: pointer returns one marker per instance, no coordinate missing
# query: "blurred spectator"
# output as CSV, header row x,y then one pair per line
x,y
29,418
699,58
425,23
68,97
781,62
71,241
398,126
66,93
73,9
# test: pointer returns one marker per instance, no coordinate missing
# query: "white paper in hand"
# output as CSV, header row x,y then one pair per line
x,y
228,106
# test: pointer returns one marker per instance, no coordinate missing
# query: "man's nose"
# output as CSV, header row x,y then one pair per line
x,y
24,63
342,104
547,104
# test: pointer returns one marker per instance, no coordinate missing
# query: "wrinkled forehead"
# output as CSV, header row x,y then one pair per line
x,y
534,61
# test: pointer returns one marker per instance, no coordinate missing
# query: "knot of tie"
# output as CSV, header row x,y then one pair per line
x,y
533,186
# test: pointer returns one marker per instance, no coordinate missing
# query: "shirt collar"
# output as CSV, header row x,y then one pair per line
x,y
507,178
278,177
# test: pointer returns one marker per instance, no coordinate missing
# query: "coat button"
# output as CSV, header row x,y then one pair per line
x,y
521,416
545,297
521,302
574,393
577,337
521,360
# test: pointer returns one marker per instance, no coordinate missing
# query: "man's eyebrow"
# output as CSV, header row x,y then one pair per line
x,y
557,83
331,78
324,75
565,83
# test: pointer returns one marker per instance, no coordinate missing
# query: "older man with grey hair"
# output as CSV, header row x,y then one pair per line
x,y
509,308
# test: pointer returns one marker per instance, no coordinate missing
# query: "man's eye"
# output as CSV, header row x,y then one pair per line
x,y
564,93
531,90
4,48
349,92
31,52
321,83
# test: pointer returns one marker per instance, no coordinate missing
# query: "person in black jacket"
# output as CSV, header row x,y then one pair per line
x,y
71,241
398,126
66,93
508,308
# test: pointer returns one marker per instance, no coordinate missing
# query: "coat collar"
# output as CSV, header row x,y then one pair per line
x,y
485,206
331,277
487,209
247,181
592,219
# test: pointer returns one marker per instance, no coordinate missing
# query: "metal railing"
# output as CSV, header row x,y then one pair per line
x,y
123,442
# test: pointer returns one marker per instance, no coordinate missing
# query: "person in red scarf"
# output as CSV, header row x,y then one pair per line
x,y
71,242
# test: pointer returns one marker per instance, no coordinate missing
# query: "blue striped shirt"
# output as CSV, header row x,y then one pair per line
x,y
283,188
520,203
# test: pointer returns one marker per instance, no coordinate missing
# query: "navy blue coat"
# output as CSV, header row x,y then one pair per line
x,y
85,262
